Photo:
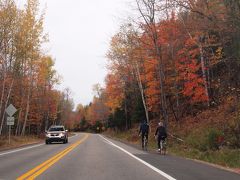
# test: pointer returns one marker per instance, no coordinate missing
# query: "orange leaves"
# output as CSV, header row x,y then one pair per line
x,y
151,81
157,56
188,68
168,31
114,91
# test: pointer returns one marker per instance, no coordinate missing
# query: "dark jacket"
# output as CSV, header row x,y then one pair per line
x,y
161,132
144,128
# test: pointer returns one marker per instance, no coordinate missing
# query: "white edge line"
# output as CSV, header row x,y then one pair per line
x,y
29,147
140,160
17,150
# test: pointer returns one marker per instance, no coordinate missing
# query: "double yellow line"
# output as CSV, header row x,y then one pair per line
x,y
35,172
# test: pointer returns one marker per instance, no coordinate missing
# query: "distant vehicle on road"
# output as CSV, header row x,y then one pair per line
x,y
56,134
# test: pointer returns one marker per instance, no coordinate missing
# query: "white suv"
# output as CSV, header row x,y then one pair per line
x,y
56,134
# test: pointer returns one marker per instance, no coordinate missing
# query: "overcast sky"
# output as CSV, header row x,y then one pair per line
x,y
79,33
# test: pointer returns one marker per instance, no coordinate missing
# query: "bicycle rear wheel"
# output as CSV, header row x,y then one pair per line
x,y
163,147
145,143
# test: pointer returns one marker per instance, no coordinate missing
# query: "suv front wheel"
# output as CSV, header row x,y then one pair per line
x,y
65,141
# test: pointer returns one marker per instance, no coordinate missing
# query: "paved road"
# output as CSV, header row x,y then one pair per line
x,y
90,156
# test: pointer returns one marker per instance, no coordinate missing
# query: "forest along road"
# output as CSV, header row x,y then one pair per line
x,y
92,156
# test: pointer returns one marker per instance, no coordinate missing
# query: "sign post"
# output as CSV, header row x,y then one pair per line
x,y
11,110
9,135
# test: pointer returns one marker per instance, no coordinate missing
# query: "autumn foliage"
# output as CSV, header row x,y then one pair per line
x,y
188,67
27,74
179,56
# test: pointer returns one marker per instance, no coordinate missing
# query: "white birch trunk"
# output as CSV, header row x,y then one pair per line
x,y
6,104
141,90
27,111
1,103
204,74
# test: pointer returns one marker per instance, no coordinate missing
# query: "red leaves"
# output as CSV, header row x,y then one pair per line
x,y
188,68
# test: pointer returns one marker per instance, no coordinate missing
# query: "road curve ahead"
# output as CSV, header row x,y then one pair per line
x,y
91,156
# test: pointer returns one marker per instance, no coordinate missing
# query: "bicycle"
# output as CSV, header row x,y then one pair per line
x,y
145,142
163,147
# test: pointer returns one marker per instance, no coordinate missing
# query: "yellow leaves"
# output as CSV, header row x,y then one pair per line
x,y
114,91
219,53
45,72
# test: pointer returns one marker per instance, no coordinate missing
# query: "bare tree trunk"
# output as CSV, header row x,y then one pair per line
x,y
162,84
126,114
1,103
20,111
149,19
47,121
18,122
202,64
141,90
6,104
28,104
27,111
204,73
176,93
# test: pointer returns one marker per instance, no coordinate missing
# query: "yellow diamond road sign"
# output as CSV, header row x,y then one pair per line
x,y
11,110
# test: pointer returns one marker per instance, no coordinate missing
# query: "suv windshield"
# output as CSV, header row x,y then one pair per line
x,y
56,129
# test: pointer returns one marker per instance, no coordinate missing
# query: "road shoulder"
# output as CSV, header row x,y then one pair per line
x,y
152,151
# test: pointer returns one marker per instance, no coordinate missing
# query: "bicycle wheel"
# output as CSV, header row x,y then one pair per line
x,y
164,148
145,143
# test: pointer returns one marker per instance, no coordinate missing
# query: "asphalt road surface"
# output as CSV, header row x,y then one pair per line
x,y
95,157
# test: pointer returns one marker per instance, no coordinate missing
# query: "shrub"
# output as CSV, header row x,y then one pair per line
x,y
213,139
198,141
233,133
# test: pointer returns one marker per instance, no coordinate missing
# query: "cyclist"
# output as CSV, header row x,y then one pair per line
x,y
160,134
144,130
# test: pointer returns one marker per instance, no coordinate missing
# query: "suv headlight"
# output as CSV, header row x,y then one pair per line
x,y
61,134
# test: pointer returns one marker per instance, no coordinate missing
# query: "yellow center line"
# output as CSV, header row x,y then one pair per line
x,y
41,165
45,165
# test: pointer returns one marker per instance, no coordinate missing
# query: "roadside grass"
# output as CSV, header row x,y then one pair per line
x,y
224,157
17,141
201,144
196,146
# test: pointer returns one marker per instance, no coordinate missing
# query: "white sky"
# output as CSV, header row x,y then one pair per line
x,y
79,33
